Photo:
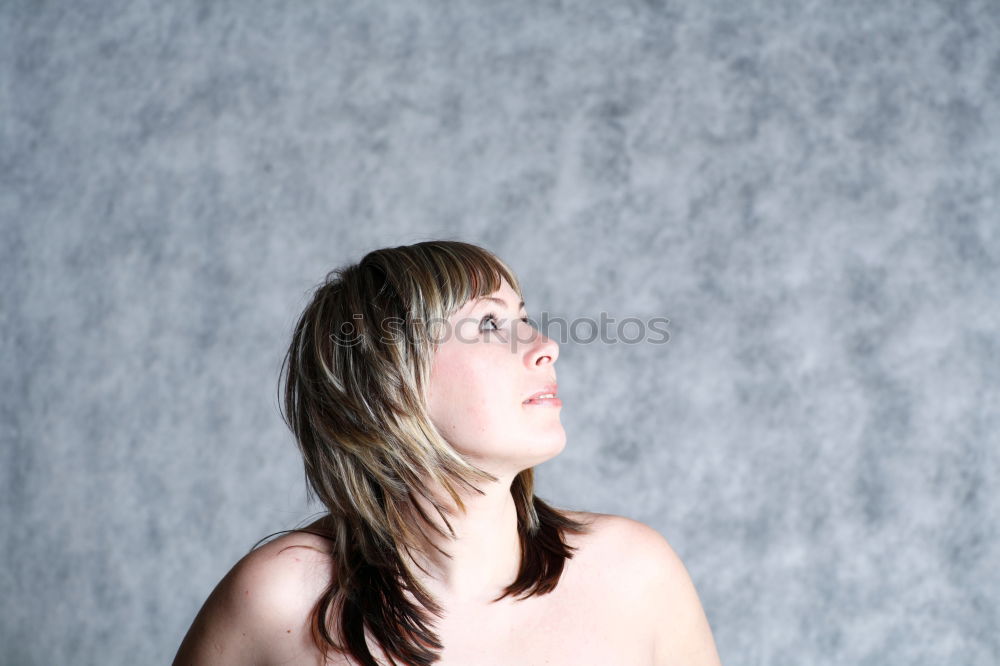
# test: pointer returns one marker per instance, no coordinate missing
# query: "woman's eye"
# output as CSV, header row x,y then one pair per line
x,y
490,322
490,317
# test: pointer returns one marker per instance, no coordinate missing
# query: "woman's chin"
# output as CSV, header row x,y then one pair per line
x,y
538,451
550,447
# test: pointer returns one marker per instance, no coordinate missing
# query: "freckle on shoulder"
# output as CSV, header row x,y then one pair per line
x,y
287,574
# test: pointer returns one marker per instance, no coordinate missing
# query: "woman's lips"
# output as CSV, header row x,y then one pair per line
x,y
550,390
545,402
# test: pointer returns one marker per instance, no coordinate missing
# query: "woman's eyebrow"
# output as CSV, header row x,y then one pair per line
x,y
498,301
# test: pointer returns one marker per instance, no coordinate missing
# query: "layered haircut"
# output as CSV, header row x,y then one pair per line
x,y
355,379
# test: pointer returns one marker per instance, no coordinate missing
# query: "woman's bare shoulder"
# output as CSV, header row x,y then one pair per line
x,y
650,576
638,554
288,569
612,534
261,610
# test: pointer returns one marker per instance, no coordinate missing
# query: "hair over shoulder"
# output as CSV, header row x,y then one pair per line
x,y
354,380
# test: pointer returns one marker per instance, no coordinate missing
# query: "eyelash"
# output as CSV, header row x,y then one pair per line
x,y
493,316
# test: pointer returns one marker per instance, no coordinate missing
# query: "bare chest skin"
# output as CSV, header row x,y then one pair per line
x,y
578,623
587,619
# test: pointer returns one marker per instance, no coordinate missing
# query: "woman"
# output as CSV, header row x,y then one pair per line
x,y
421,398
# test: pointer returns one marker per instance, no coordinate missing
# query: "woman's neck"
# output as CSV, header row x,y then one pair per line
x,y
485,555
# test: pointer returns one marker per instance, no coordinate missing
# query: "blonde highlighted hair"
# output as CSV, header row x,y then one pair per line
x,y
355,379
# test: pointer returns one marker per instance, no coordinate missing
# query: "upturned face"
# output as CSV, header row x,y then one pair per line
x,y
486,370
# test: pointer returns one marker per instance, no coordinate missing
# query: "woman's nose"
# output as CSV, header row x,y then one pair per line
x,y
543,349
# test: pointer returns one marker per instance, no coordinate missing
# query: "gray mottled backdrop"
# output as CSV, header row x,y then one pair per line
x,y
807,190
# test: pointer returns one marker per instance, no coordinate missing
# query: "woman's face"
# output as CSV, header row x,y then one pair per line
x,y
484,370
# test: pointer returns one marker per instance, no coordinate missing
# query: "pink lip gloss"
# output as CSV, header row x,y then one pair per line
x,y
545,402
